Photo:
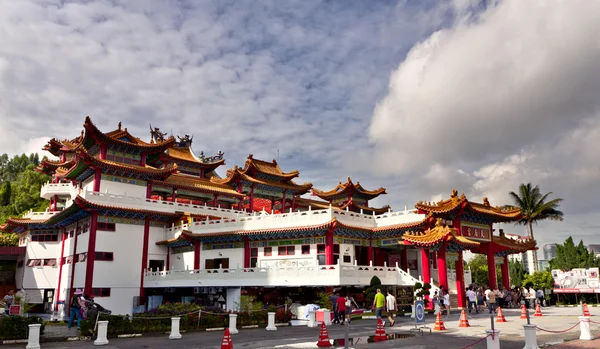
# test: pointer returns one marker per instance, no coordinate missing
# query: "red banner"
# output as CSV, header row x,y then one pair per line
x,y
475,232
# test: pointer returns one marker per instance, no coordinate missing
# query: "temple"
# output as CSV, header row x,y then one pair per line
x,y
136,222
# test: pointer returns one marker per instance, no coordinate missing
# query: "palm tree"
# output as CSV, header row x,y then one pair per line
x,y
535,208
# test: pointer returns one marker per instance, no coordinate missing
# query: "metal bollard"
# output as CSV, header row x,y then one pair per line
x,y
233,324
271,324
175,328
584,326
102,331
493,341
312,319
33,342
530,337
327,317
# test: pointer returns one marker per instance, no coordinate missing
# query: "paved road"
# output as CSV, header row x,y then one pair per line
x,y
511,334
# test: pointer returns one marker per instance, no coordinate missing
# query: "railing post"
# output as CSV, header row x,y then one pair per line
x,y
584,326
312,322
175,328
327,317
33,341
271,324
493,341
102,331
233,324
530,337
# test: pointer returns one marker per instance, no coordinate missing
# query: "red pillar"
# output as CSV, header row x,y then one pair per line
x,y
491,262
97,179
282,209
197,255
294,203
246,253
91,254
60,266
404,258
215,200
329,247
371,253
168,266
103,149
144,254
505,274
442,268
149,190
251,204
425,265
460,281
143,159
72,283
174,195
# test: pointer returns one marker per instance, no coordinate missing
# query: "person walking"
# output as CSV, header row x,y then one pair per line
x,y
9,300
378,304
341,308
333,299
472,298
391,306
75,311
349,302
447,304
491,300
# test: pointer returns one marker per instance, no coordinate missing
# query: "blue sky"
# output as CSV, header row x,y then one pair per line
x,y
419,97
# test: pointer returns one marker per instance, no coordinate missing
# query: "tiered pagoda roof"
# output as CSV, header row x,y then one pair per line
x,y
438,235
266,175
459,205
352,196
49,166
178,181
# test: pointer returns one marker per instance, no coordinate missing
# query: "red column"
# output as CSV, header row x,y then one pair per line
x,y
174,195
168,266
149,190
144,254
143,159
97,179
294,203
103,149
505,274
425,265
197,255
215,200
460,281
491,267
72,283
251,204
91,254
60,266
404,259
371,253
246,252
442,268
329,247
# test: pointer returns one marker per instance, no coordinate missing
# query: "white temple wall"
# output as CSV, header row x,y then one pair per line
x,y
82,243
126,245
235,255
183,261
120,301
117,188
345,250
156,252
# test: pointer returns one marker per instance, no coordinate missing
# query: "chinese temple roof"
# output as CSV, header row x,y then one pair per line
x,y
199,184
456,205
187,154
350,205
268,168
120,137
518,245
49,167
348,189
438,235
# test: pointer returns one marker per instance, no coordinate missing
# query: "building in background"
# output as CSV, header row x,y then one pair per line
x,y
595,249
549,251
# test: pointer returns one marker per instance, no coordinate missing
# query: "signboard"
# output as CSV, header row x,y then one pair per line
x,y
576,281
419,312
475,231
499,260
14,310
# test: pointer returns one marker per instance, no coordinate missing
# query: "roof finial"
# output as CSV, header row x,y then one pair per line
x,y
119,125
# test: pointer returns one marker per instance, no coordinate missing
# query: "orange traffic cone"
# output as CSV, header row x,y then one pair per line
x,y
439,324
323,337
380,332
500,317
463,322
523,312
227,343
538,310
586,311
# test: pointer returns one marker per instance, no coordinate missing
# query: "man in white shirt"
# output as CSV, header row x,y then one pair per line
x,y
390,304
472,298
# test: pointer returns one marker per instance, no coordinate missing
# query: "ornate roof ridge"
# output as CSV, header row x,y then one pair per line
x,y
348,186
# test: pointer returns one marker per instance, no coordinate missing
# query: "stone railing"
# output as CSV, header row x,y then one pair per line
x,y
322,275
50,189
39,215
159,205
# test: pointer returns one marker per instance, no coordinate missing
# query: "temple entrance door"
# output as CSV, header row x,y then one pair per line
x,y
360,253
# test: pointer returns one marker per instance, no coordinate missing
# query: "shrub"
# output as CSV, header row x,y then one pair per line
x,y
16,327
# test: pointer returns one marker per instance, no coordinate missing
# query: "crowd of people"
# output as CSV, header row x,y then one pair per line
x,y
480,298
343,305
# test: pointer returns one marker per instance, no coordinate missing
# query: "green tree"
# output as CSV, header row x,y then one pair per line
x,y
372,290
27,191
516,272
5,194
539,279
535,207
9,239
479,271
569,256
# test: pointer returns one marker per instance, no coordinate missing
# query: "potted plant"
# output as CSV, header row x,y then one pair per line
x,y
421,291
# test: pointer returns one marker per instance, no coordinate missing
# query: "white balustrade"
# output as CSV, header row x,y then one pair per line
x,y
102,332
271,321
50,189
33,342
233,324
175,328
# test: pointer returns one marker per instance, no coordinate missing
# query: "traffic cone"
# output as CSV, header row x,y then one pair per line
x,y
380,332
538,310
227,343
523,312
439,324
500,317
463,322
323,337
586,311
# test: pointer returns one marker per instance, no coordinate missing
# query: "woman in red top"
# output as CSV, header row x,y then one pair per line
x,y
341,306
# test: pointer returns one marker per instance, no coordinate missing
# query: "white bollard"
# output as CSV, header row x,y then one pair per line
x,y
530,337
271,324
312,319
493,341
233,324
584,326
34,337
102,330
175,328
327,317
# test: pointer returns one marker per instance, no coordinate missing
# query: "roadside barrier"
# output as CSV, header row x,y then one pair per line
x,y
33,342
530,337
271,324
233,324
584,322
102,331
175,328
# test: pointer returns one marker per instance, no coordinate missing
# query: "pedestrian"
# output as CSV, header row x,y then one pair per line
x,y
9,300
333,299
447,304
75,311
480,299
349,302
472,298
391,306
539,294
378,304
491,300
341,308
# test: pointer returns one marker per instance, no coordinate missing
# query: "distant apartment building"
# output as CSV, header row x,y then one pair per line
x,y
549,251
526,259
595,249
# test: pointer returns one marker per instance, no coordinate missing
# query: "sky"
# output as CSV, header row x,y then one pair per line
x,y
419,97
